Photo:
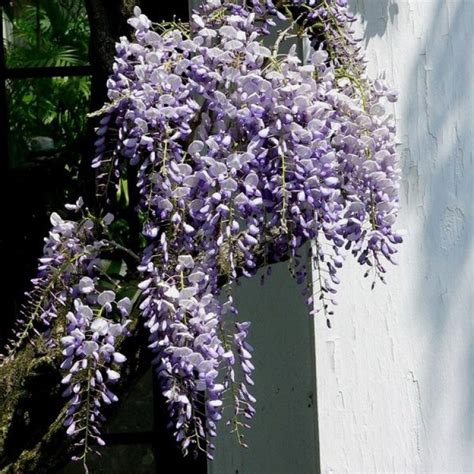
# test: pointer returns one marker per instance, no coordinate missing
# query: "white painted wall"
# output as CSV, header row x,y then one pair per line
x,y
395,374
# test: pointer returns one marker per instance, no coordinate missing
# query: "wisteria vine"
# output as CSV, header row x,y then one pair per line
x,y
242,153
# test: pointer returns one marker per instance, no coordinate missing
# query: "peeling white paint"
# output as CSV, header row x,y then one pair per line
x,y
395,373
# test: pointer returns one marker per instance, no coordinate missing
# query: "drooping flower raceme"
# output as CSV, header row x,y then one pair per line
x,y
90,358
240,148
67,289
241,154
70,251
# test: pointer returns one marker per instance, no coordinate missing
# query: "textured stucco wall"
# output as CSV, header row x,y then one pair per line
x,y
395,373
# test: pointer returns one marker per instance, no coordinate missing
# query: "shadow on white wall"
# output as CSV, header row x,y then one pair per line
x,y
435,118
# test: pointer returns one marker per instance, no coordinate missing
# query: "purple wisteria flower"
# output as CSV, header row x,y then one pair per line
x,y
71,250
90,359
67,287
242,153
234,142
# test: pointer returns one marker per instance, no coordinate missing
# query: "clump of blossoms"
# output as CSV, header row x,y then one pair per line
x,y
90,357
241,154
70,311
71,251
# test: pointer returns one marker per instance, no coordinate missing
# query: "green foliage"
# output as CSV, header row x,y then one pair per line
x,y
48,33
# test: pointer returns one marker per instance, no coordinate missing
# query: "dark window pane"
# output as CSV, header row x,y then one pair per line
x,y
47,116
46,33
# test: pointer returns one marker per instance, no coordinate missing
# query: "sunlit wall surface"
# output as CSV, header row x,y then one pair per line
x,y
395,373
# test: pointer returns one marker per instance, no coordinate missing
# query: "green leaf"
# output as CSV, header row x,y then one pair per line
x,y
114,267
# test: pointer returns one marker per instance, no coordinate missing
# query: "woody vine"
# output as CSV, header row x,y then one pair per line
x,y
240,154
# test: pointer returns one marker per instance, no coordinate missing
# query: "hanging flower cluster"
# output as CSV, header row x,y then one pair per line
x,y
90,357
69,277
71,251
242,153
